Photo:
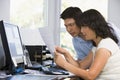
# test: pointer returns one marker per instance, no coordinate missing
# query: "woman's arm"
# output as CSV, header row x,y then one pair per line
x,y
85,63
97,66
67,56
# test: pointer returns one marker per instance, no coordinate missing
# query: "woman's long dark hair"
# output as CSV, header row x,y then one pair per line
x,y
95,21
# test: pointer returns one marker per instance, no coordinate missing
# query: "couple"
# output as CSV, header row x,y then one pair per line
x,y
102,62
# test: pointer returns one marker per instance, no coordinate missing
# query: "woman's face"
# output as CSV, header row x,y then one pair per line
x,y
88,34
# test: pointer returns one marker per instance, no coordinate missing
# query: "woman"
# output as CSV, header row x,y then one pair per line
x,y
103,60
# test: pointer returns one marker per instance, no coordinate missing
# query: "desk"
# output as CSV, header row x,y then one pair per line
x,y
39,76
33,75
36,77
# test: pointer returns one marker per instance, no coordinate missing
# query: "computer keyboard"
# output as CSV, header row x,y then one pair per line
x,y
30,71
54,71
34,66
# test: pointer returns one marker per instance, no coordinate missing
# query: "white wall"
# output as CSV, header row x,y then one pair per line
x,y
5,10
54,21
114,12
52,31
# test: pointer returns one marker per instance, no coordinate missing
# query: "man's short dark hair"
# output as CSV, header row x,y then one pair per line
x,y
71,12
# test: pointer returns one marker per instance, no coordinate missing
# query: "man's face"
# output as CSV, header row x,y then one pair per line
x,y
71,27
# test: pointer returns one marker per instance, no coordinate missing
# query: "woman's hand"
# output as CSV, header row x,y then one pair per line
x,y
59,59
61,50
66,54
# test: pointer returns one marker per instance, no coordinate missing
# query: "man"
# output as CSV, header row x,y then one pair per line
x,y
81,46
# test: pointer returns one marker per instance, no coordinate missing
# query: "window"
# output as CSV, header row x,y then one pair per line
x,y
100,5
28,13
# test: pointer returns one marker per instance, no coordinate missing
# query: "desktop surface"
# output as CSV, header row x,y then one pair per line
x,y
31,77
36,77
39,75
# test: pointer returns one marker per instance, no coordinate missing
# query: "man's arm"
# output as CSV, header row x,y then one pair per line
x,y
81,47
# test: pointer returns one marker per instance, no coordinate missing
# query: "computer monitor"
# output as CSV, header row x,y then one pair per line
x,y
2,55
11,43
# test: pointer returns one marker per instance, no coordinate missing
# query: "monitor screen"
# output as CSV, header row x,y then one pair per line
x,y
12,41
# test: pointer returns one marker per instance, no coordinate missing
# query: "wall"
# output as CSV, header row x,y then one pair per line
x,y
50,32
54,22
5,10
114,12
